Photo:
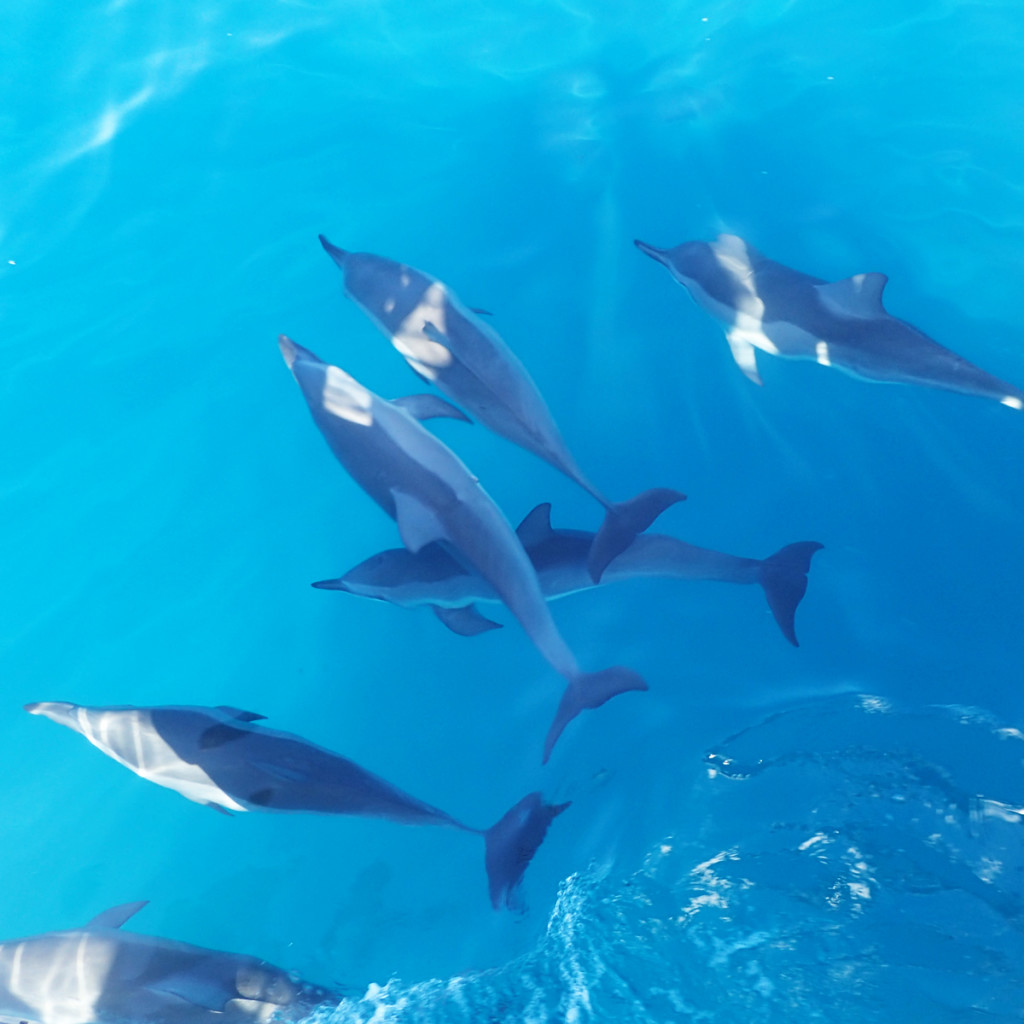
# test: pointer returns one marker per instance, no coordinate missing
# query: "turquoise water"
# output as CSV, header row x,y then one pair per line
x,y
165,171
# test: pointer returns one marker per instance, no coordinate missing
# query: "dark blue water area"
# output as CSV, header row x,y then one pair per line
x,y
769,834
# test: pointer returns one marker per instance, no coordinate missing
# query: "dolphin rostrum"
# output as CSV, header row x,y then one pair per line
x,y
765,305
98,974
432,496
221,758
433,578
446,344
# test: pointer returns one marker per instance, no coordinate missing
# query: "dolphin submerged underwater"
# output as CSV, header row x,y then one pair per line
x,y
432,496
447,345
435,579
98,974
221,758
768,306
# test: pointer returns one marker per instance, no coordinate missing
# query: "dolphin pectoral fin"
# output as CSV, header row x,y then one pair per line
x,y
536,526
587,691
857,296
511,844
261,798
427,407
218,735
417,523
219,808
744,353
622,522
479,311
242,716
465,621
784,579
116,916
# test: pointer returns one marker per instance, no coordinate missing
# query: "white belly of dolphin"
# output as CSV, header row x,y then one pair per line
x,y
131,740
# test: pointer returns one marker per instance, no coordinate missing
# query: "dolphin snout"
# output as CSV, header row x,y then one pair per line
x,y
336,254
338,584
651,250
58,710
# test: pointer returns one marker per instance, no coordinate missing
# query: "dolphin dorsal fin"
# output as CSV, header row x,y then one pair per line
x,y
427,407
116,916
860,295
536,526
242,716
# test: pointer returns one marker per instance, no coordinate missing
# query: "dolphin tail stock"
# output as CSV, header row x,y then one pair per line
x,y
586,691
623,521
510,845
784,579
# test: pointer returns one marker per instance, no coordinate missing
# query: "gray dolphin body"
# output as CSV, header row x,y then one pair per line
x,y
98,974
221,758
765,305
432,577
432,496
448,345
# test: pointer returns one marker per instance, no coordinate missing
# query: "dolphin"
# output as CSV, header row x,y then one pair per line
x,y
221,758
765,305
432,496
446,344
433,578
98,974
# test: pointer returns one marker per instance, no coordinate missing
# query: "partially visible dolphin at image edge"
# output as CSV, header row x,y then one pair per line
x,y
432,496
768,306
99,974
446,344
222,758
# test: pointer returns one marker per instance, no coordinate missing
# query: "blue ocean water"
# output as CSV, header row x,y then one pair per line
x,y
830,832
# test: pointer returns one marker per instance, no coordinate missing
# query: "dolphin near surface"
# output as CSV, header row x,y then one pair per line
x,y
99,974
433,578
447,344
432,496
768,306
221,758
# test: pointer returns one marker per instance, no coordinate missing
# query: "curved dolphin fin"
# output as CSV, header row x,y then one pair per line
x,y
116,916
744,352
784,578
859,296
242,716
622,523
336,254
417,524
465,621
426,407
587,691
511,844
536,526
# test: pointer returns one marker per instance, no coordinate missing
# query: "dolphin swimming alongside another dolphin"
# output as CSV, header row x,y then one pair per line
x,y
98,974
432,577
446,344
432,496
765,305
221,758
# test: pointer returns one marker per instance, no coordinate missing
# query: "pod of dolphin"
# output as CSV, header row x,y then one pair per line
x,y
458,551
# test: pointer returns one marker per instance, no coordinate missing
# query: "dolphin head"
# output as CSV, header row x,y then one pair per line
x,y
684,262
401,577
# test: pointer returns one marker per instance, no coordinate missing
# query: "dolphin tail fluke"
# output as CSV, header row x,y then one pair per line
x,y
336,254
587,691
623,522
511,844
784,578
